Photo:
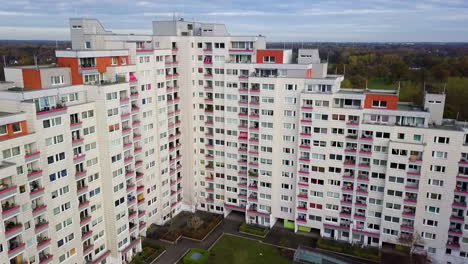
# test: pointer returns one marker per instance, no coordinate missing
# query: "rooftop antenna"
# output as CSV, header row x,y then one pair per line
x,y
344,69
366,83
445,86
4,61
35,62
173,16
399,86
328,55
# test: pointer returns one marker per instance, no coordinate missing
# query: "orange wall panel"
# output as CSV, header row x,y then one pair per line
x,y
391,99
71,63
10,134
102,63
309,74
278,54
32,78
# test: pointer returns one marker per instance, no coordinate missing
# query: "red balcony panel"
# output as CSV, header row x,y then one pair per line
x,y
32,154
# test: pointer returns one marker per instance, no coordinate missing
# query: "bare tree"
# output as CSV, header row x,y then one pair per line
x,y
413,241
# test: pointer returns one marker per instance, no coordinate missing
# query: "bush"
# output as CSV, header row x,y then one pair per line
x,y
204,257
146,255
362,252
402,248
255,230
200,232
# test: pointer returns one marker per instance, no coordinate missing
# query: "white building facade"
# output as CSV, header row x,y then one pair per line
x,y
129,130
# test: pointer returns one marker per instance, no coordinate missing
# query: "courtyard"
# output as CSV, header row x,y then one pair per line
x,y
231,249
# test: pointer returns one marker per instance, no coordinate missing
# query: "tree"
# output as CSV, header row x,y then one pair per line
x,y
412,241
346,84
398,70
440,72
194,222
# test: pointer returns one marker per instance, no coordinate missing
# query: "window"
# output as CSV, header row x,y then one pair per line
x,y
58,175
3,130
269,59
442,140
8,153
379,104
439,154
417,138
55,158
16,128
87,45
432,209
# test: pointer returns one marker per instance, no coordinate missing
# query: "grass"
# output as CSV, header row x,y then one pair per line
x,y
378,83
236,250
255,230
362,252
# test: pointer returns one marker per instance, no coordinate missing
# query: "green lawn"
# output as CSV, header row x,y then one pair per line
x,y
236,250
381,84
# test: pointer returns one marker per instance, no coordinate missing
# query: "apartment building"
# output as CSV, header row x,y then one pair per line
x,y
125,131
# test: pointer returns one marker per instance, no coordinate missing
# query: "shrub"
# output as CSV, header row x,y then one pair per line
x,y
340,247
204,257
255,230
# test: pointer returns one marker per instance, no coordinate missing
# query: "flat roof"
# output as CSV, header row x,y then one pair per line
x,y
48,66
406,106
20,89
3,114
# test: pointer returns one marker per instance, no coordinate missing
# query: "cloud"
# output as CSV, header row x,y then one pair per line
x,y
361,20
243,13
14,13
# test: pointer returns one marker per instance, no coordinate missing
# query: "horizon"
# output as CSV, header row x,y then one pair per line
x,y
341,21
289,42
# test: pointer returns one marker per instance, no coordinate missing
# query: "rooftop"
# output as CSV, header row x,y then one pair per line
x,y
48,66
3,114
407,106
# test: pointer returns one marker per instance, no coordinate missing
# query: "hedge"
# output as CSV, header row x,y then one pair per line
x,y
201,260
362,252
255,230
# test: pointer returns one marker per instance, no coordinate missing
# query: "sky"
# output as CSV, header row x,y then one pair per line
x,y
279,20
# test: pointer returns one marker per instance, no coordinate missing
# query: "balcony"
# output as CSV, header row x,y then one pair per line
x,y
10,209
12,228
458,218
42,241
45,258
360,216
455,231
7,190
453,244
459,203
51,109
15,247
361,190
413,172
253,186
302,195
253,173
40,225
412,185
33,174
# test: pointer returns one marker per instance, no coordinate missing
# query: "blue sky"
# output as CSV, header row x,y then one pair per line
x,y
286,20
